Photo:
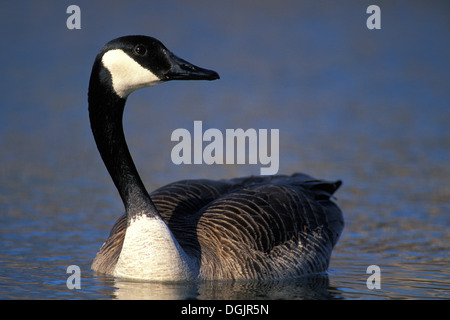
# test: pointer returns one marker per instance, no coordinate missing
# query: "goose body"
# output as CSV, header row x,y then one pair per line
x,y
269,227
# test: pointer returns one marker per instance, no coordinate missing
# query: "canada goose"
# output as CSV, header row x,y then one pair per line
x,y
267,227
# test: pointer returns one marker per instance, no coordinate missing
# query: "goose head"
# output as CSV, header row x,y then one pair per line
x,y
134,62
122,66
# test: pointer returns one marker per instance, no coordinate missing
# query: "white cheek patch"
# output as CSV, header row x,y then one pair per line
x,y
127,75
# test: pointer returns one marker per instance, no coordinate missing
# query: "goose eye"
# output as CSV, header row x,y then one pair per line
x,y
140,50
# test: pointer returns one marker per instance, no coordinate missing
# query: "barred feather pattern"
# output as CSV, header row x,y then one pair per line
x,y
269,227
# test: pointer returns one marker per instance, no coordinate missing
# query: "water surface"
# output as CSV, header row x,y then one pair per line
x,y
370,107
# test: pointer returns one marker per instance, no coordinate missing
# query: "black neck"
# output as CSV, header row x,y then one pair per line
x,y
106,114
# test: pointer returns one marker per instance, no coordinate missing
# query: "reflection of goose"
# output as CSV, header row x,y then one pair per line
x,y
314,286
246,228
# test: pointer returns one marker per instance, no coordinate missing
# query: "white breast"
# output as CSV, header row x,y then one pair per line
x,y
150,252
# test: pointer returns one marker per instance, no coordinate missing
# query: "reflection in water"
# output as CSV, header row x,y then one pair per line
x,y
128,290
307,287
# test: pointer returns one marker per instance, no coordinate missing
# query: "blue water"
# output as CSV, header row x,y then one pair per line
x,y
370,107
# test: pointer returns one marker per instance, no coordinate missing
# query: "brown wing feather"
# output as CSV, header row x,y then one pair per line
x,y
269,230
